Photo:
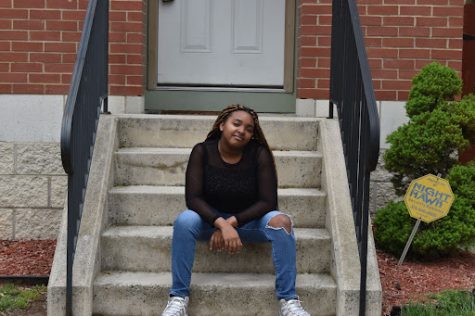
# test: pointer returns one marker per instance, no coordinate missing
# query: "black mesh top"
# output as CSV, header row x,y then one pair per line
x,y
247,189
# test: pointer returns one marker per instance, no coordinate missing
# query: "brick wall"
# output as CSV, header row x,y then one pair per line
x,y
401,36
39,40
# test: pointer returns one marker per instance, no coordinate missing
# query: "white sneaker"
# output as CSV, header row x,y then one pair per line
x,y
292,308
177,306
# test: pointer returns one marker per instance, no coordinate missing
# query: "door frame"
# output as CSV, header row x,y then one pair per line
x,y
213,99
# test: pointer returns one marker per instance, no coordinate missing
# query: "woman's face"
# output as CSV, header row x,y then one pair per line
x,y
238,129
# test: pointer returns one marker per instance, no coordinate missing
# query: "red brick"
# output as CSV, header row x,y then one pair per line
x,y
62,25
315,30
45,36
57,89
4,67
13,35
398,2
323,83
135,38
446,54
68,58
83,4
28,3
5,3
60,47
398,42
59,68
455,43
45,57
382,52
13,77
455,64
323,62
384,73
431,22
308,40
117,59
382,31
308,20
421,63
402,95
324,41
414,53
27,67
117,37
13,57
126,5
307,62
407,74
314,52
447,11
116,79
375,63
414,31
431,42
371,20
398,64
70,36
316,9
432,2
117,16
28,25
398,21
383,10
306,83
324,20
45,14
28,88
44,78
376,84
382,95
74,15
126,48
135,60
135,80
455,21
415,10
447,32
314,73
13,14
27,46
127,27
362,2
61,4
5,88
5,24
5,46
66,78
373,41
126,69
123,90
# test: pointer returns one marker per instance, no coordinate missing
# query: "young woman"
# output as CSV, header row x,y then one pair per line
x,y
231,193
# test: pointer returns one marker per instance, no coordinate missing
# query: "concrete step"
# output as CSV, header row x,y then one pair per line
x,y
148,248
166,166
140,293
289,133
159,205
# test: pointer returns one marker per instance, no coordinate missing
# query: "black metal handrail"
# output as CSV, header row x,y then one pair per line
x,y
351,90
87,94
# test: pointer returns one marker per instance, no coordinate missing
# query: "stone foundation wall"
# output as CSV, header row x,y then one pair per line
x,y
33,188
381,188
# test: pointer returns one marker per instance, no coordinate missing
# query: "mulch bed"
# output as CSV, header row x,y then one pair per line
x,y
401,284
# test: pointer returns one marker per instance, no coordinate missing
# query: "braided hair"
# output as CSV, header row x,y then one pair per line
x,y
258,135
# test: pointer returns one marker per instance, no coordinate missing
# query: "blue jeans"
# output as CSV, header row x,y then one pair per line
x,y
190,227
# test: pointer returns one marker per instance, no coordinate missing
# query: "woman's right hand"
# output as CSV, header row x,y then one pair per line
x,y
232,242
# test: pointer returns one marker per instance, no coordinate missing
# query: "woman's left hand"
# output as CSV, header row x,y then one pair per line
x,y
216,243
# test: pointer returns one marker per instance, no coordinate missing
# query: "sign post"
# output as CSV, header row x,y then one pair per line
x,y
427,199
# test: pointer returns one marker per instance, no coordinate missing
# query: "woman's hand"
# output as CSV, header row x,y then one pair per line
x,y
232,242
216,243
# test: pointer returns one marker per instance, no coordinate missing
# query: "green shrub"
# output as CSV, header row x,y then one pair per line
x,y
462,181
433,84
427,144
393,225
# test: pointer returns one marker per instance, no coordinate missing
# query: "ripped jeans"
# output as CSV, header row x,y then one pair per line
x,y
189,227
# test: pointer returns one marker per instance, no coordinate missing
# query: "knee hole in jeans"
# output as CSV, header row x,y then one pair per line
x,y
281,221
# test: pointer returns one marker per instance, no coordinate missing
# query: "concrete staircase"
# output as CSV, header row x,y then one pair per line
x,y
122,265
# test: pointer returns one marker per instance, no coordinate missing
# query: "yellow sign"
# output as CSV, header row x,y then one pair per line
x,y
429,198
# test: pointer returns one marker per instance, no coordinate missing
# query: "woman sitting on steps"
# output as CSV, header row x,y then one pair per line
x,y
231,193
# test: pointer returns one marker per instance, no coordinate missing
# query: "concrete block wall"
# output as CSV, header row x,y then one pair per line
x,y
32,190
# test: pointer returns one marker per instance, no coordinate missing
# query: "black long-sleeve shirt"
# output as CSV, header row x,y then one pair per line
x,y
247,189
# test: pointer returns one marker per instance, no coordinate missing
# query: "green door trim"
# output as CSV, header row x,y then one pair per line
x,y
186,99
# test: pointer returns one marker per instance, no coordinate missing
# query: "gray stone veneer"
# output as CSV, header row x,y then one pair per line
x,y
32,190
381,188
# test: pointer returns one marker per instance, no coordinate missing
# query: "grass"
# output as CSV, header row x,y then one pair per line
x,y
15,297
446,303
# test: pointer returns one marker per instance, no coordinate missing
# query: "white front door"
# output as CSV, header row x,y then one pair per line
x,y
221,43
